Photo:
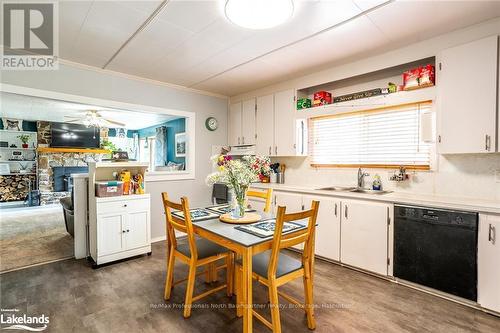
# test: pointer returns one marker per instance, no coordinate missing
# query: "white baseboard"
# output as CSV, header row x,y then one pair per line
x,y
158,239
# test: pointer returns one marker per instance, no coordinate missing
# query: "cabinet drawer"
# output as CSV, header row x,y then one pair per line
x,y
122,206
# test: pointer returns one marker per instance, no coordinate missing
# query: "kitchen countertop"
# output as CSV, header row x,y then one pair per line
x,y
427,200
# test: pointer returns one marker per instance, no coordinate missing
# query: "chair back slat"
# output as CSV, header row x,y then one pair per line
x,y
174,223
295,240
266,195
302,236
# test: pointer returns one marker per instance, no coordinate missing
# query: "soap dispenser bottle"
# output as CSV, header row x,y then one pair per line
x,y
377,183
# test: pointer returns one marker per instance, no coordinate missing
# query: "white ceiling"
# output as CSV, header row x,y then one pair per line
x,y
191,43
35,108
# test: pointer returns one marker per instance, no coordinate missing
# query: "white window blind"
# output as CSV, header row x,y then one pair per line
x,y
383,137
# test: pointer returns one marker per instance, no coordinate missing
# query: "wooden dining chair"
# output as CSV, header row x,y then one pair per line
x,y
196,252
266,195
274,269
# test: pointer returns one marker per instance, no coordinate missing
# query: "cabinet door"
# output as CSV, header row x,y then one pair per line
x,y
364,235
137,234
110,231
265,125
248,122
284,123
327,243
292,202
467,85
488,262
234,130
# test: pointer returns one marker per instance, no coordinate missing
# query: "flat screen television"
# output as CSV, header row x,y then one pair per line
x,y
74,135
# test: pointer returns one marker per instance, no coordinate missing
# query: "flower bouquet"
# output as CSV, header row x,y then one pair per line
x,y
238,175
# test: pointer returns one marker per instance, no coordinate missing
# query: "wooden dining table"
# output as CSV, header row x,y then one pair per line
x,y
244,244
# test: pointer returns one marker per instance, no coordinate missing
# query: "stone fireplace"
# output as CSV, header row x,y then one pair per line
x,y
55,166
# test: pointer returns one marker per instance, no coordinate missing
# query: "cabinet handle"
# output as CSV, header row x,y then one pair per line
x,y
487,142
345,212
439,138
335,209
276,150
491,234
125,205
269,150
123,231
128,230
242,140
238,140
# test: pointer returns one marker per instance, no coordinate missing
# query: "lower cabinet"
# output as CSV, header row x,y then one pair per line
x,y
122,229
292,202
488,258
327,240
354,232
364,235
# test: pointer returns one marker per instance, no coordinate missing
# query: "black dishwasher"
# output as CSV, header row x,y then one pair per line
x,y
437,248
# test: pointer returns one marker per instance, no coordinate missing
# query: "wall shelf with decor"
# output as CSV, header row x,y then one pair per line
x,y
410,83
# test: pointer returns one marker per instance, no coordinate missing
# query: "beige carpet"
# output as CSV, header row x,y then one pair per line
x,y
33,235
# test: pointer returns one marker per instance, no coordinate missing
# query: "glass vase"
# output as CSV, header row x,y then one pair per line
x,y
238,200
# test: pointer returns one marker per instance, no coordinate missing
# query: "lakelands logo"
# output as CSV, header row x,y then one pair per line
x,y
10,319
30,35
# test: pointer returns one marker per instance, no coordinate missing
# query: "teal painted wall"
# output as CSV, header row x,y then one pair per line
x,y
173,127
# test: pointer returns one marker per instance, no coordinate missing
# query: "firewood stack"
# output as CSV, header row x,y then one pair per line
x,y
15,187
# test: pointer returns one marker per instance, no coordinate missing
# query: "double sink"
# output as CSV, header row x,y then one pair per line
x,y
353,189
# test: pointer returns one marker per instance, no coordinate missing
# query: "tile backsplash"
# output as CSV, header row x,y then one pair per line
x,y
456,175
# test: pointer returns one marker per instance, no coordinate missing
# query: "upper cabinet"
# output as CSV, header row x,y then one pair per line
x,y
279,133
467,96
242,123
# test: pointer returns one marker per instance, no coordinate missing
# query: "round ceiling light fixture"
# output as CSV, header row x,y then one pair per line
x,y
258,14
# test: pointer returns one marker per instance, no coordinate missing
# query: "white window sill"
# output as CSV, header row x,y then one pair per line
x,y
157,176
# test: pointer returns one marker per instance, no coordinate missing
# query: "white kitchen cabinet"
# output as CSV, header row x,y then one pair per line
x,y
234,130
278,131
327,243
489,262
467,97
265,125
285,124
123,228
242,123
364,235
248,122
293,204
110,229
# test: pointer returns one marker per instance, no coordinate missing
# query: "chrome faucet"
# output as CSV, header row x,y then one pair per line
x,y
361,178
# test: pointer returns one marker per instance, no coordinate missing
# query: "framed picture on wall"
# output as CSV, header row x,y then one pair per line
x,y
180,144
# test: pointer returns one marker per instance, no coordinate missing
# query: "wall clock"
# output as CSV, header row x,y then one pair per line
x,y
211,124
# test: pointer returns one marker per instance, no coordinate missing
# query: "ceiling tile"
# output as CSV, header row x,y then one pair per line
x,y
402,21
192,15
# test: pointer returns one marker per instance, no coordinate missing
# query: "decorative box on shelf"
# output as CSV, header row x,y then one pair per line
x,y
119,225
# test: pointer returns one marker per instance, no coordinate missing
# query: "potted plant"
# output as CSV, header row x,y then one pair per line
x,y
24,139
237,175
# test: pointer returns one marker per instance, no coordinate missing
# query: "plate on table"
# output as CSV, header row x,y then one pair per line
x,y
197,214
226,208
265,228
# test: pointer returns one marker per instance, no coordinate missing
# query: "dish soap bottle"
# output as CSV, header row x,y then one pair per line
x,y
377,183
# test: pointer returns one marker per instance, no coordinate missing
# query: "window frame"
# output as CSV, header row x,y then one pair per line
x,y
418,167
150,176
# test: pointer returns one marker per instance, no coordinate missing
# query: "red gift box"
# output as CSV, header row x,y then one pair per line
x,y
427,76
411,78
322,98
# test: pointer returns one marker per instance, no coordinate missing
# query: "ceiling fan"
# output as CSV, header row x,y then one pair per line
x,y
92,118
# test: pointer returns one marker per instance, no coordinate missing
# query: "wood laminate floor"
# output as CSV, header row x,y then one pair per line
x,y
127,297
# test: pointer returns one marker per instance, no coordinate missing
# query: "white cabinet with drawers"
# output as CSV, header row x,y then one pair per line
x,y
119,226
